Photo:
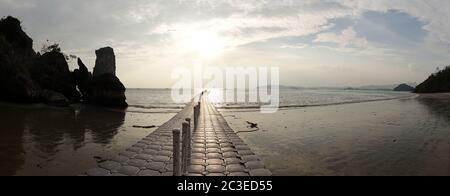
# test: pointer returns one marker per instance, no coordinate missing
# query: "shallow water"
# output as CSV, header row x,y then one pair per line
x,y
37,139
305,97
43,140
397,137
152,99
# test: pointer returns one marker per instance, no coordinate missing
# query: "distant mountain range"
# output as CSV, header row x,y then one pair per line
x,y
366,87
384,87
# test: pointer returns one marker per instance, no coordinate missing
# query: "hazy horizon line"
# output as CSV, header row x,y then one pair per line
x,y
303,87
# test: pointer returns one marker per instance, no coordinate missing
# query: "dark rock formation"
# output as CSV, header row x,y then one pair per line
x,y
29,77
51,72
16,57
437,83
82,78
106,90
53,98
404,87
11,31
105,62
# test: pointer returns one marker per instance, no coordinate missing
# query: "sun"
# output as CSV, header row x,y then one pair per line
x,y
205,44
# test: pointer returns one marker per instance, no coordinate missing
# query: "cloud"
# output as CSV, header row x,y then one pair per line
x,y
254,21
348,42
347,37
295,46
434,13
147,34
17,4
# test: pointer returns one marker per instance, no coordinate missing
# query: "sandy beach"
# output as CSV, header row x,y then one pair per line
x,y
45,140
409,136
406,136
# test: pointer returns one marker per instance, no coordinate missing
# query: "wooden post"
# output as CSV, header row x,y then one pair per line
x,y
188,120
195,117
176,153
199,104
198,111
184,148
198,116
189,149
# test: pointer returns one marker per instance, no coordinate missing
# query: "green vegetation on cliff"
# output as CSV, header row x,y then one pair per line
x,y
437,83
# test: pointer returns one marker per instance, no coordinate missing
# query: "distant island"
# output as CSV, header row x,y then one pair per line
x,y
404,88
438,82
27,76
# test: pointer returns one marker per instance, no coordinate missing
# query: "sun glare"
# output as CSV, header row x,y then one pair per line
x,y
205,44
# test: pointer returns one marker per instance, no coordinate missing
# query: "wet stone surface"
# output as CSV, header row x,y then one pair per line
x,y
215,169
156,166
197,169
110,165
97,172
145,157
216,150
128,170
149,173
139,163
235,168
120,159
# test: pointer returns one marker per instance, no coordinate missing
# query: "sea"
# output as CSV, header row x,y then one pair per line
x,y
38,139
159,100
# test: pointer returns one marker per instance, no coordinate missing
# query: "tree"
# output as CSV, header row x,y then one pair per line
x,y
48,47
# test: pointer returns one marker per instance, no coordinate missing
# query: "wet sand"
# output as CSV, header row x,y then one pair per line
x,y
44,140
396,137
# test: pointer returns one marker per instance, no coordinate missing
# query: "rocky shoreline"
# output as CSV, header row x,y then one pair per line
x,y
27,76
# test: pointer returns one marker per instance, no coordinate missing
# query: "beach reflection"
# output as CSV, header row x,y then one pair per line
x,y
11,136
439,105
39,134
408,136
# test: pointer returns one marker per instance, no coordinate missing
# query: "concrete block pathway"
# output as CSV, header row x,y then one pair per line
x,y
216,150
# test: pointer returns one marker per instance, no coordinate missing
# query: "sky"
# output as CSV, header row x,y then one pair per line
x,y
314,43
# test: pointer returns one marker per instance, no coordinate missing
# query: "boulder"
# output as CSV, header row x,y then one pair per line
x,y
53,98
16,85
105,62
51,72
106,90
16,57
